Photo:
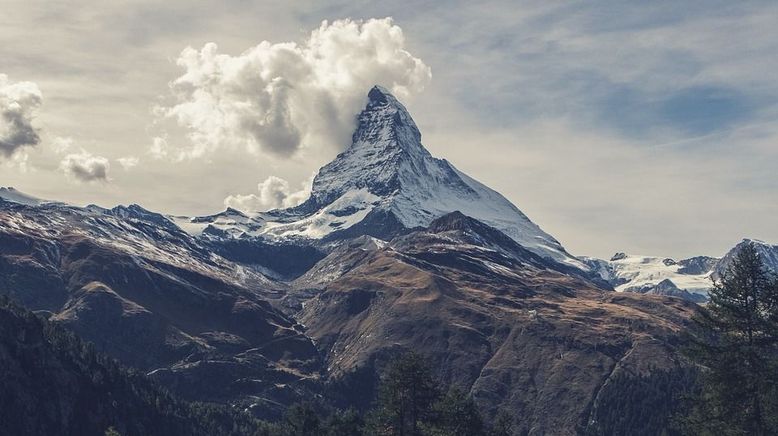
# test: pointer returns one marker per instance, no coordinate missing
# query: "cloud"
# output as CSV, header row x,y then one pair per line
x,y
159,147
274,193
556,92
280,98
86,167
61,144
128,162
18,161
19,103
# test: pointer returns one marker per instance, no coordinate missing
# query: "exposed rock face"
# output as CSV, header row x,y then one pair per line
x,y
667,287
697,265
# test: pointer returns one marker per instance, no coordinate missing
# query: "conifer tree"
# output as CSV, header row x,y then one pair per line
x,y
456,415
302,420
405,399
735,344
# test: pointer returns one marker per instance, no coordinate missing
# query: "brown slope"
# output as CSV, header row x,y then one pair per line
x,y
519,335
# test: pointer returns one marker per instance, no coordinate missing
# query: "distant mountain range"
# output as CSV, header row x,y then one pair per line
x,y
687,278
394,250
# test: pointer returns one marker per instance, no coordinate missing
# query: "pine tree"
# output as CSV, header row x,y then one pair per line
x,y
302,420
734,342
405,398
344,423
456,415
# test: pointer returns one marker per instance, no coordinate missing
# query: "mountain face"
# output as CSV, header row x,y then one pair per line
x,y
385,183
395,250
150,295
768,253
495,319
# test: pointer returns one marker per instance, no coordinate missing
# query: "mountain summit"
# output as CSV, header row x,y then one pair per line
x,y
386,141
386,181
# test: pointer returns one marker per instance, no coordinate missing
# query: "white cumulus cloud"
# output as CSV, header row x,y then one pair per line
x,y
19,102
278,98
274,192
86,167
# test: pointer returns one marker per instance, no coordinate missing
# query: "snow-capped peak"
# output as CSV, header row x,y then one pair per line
x,y
386,122
387,180
385,138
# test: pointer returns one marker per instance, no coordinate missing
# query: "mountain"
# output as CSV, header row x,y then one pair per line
x,y
12,195
495,319
385,183
394,251
145,292
768,253
688,278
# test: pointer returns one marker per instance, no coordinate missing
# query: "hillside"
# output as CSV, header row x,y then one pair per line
x,y
497,321
55,384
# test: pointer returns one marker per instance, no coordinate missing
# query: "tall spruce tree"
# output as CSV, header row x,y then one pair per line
x,y
735,344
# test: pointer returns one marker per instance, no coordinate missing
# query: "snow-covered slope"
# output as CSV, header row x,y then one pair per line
x,y
12,195
662,275
656,275
131,229
387,173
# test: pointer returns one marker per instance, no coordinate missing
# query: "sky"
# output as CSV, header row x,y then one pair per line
x,y
644,127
